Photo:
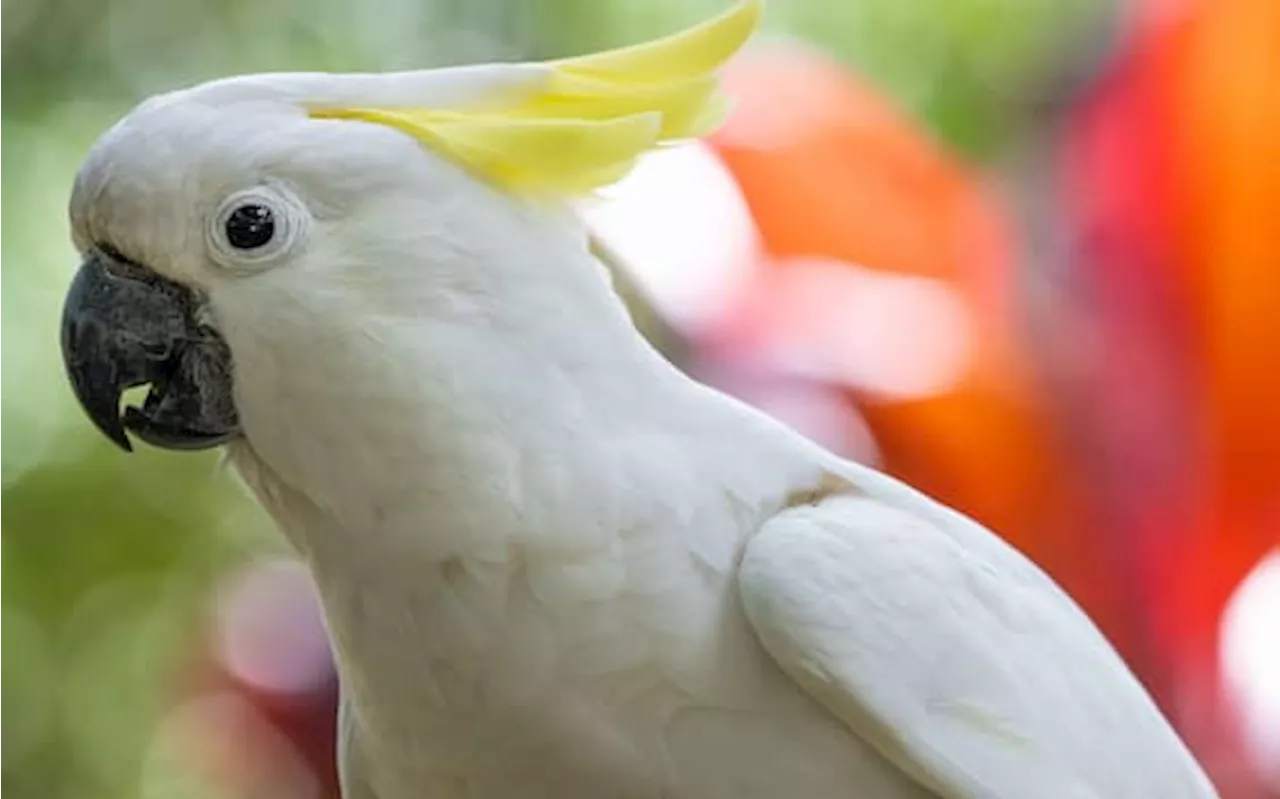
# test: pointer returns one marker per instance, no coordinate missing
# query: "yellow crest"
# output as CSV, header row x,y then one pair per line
x,y
594,116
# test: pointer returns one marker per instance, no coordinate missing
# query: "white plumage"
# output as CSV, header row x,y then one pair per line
x,y
551,564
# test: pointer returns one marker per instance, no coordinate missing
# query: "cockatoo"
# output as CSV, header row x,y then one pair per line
x,y
551,564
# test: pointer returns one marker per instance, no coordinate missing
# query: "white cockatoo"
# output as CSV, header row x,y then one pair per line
x,y
550,563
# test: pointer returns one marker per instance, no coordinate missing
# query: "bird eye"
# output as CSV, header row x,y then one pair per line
x,y
250,226
253,228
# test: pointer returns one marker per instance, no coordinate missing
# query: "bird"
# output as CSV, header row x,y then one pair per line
x,y
550,563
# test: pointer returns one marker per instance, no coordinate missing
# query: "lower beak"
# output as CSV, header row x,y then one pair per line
x,y
125,326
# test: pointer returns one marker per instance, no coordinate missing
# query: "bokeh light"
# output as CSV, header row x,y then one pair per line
x,y
680,224
1251,661
270,634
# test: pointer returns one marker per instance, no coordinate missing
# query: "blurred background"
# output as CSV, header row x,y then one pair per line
x,y
1020,253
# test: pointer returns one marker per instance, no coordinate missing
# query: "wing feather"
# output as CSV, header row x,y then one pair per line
x,y
964,665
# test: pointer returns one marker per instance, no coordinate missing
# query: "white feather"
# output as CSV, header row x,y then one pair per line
x,y
954,656
526,527
446,87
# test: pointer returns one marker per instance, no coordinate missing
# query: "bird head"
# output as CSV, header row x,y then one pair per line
x,y
229,228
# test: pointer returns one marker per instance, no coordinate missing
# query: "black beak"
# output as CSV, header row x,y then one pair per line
x,y
124,326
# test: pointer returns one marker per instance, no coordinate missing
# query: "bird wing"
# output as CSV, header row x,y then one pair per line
x,y
955,657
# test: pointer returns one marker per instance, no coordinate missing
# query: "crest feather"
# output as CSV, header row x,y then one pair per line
x,y
594,116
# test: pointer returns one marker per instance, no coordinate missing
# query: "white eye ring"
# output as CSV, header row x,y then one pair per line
x,y
254,228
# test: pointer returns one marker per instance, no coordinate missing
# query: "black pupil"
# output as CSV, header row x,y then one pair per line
x,y
250,227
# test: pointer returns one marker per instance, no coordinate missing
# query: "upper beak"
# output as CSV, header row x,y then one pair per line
x,y
127,326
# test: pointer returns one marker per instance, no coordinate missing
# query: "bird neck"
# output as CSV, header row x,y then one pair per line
x,y
481,426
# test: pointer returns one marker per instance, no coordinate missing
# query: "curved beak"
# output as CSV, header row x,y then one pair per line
x,y
125,326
